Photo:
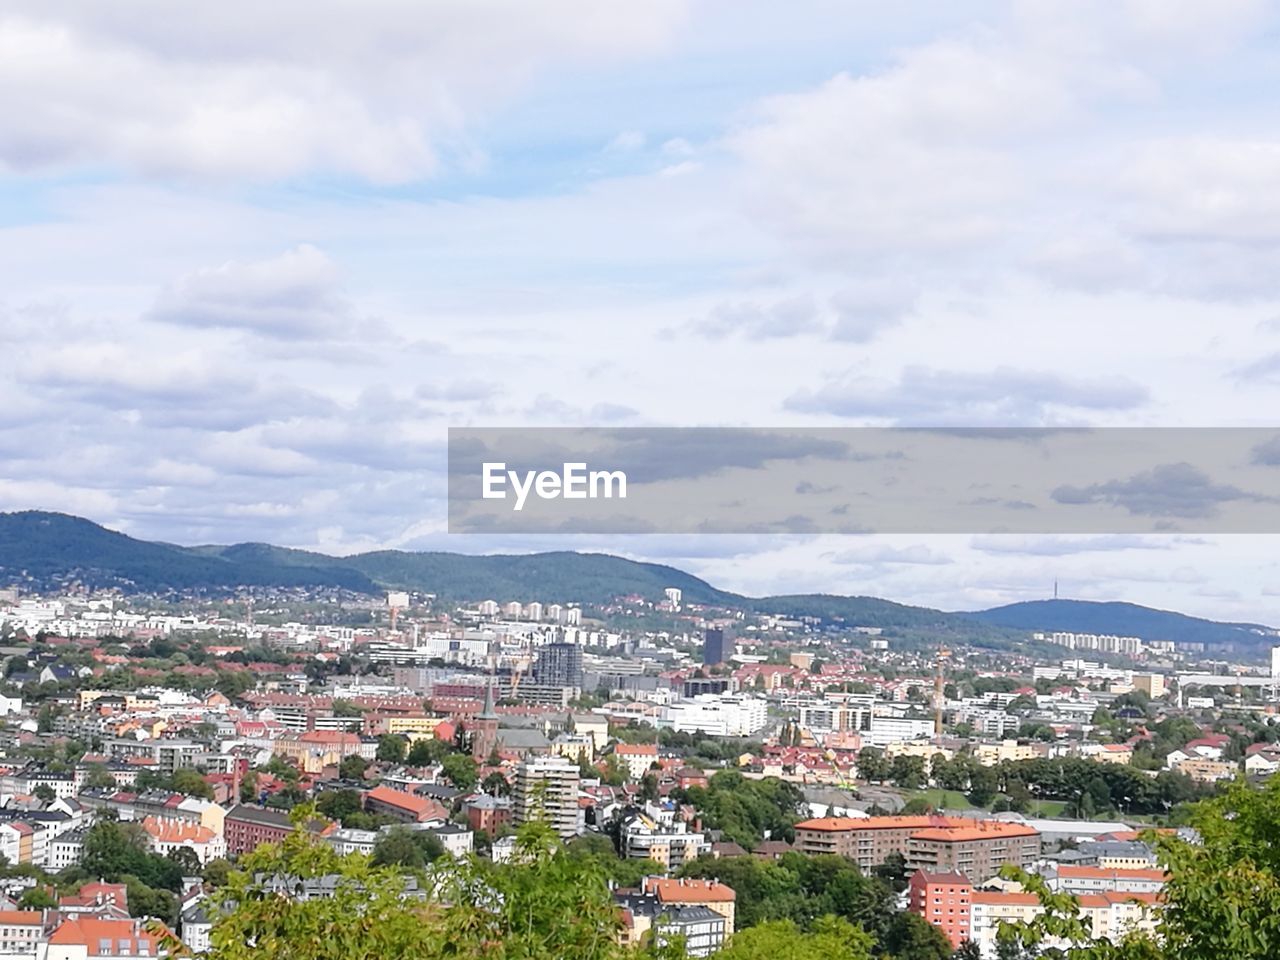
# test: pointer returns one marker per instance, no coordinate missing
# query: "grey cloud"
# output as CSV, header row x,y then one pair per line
x,y
1065,547
786,318
862,313
201,400
1170,490
805,487
1267,454
645,455
547,407
291,296
894,556
1005,396
1264,368
459,391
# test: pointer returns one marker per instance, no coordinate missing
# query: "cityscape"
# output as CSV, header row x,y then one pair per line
x,y
679,479
697,755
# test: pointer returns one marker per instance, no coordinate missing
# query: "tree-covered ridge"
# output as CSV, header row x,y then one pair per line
x,y
48,548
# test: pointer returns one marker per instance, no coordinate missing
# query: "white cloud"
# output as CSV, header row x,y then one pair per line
x,y
293,295
377,90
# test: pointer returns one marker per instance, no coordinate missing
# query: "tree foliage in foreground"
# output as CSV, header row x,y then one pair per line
x,y
549,903
1222,899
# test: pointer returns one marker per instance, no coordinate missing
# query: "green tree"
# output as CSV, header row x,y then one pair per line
x,y
186,859
403,847
191,783
249,787
340,805
427,751
543,906
496,785
216,872
391,748
872,764
99,778
907,772
1222,898
352,767
982,785
911,937
833,938
38,898
460,770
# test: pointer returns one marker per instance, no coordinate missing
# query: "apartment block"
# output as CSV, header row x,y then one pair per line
x,y
547,788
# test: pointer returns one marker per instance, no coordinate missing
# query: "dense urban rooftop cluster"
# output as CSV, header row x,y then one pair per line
x,y
147,750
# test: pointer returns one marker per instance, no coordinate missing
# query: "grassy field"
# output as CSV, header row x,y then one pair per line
x,y
954,800
942,799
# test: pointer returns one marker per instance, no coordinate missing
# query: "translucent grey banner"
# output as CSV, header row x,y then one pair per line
x,y
864,480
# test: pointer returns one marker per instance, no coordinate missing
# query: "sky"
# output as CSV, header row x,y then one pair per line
x,y
254,262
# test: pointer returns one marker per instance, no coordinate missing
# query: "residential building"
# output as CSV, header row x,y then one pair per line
x,y
167,836
989,908
712,894
91,938
547,788
21,932
488,813
976,848
403,806
702,929
670,846
1067,878
636,757
943,900
246,827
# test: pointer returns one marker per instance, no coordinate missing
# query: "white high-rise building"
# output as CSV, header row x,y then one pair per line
x,y
547,788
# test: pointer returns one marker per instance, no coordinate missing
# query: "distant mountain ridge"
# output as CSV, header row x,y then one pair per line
x,y
49,548
1122,619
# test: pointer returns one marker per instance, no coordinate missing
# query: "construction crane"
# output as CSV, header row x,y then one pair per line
x,y
938,697
518,666
844,782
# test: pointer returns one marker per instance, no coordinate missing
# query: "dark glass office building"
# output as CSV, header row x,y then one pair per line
x,y
717,647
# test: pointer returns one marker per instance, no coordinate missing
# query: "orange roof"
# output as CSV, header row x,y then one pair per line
x,y
423,808
91,931
335,737
981,830
1110,873
926,827
171,831
636,749
13,918
879,823
1135,834
689,891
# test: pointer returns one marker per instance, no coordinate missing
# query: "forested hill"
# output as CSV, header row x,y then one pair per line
x,y
42,551
1122,619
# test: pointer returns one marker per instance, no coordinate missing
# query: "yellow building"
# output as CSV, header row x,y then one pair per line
x,y
1152,684
408,725
992,754
317,749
